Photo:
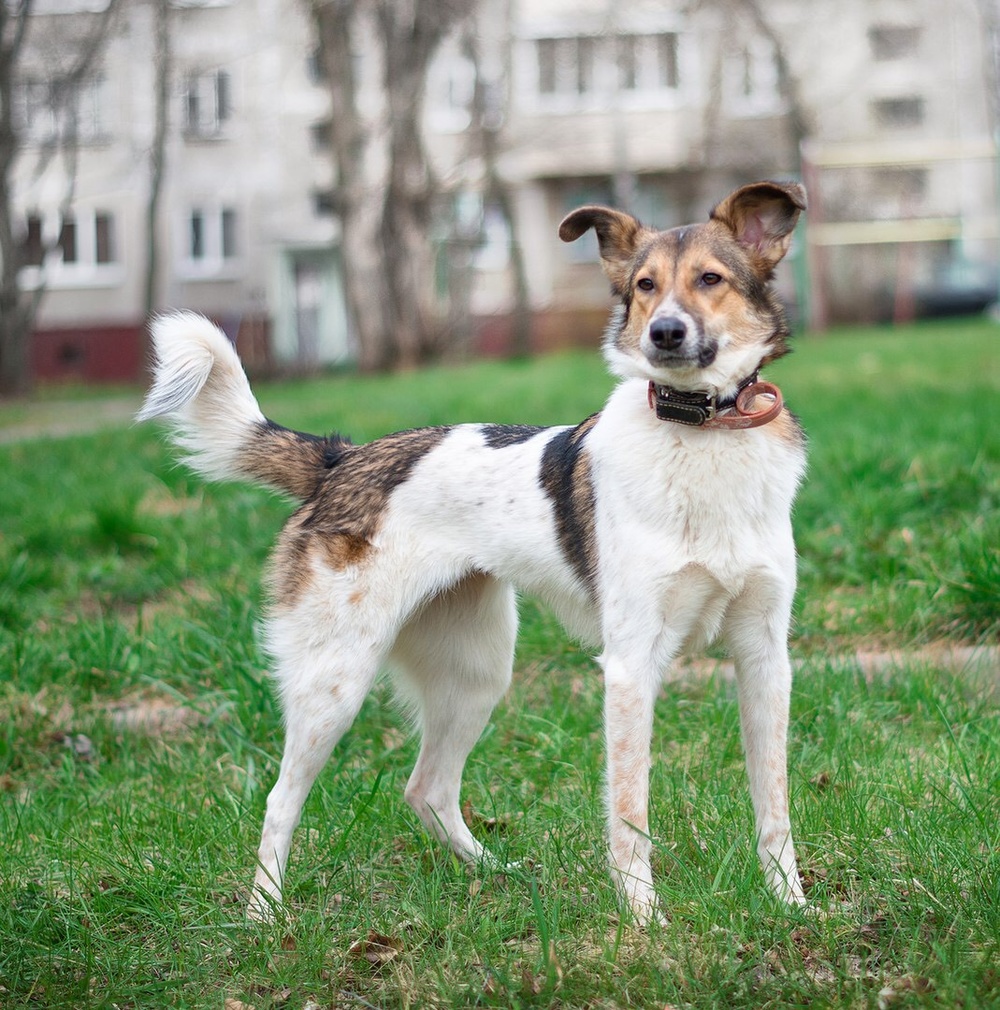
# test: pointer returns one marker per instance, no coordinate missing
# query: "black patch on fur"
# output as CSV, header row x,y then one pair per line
x,y
354,494
565,477
499,436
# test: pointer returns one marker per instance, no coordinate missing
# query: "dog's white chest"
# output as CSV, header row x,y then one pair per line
x,y
679,496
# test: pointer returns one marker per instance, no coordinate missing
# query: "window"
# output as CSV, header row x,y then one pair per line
x,y
648,62
750,79
228,222
207,104
76,248
92,113
196,243
893,42
566,66
33,246
67,240
547,58
899,112
104,238
211,242
594,65
39,116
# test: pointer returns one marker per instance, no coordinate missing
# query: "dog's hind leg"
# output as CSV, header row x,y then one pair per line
x,y
323,680
454,658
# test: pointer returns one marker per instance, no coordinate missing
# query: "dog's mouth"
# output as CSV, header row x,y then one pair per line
x,y
700,356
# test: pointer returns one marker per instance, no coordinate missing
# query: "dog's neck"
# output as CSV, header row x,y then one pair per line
x,y
693,408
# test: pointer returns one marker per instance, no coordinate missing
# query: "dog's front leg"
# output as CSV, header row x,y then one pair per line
x,y
757,635
628,716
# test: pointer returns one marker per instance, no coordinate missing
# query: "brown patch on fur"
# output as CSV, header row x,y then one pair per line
x,y
343,549
566,478
618,236
786,426
290,461
290,572
337,524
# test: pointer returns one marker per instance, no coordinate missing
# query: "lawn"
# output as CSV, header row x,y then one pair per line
x,y
141,734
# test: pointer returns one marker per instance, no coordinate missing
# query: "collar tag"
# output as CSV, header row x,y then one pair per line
x,y
694,414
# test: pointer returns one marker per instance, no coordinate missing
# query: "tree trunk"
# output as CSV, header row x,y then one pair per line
x,y
384,183
17,308
491,87
14,372
158,154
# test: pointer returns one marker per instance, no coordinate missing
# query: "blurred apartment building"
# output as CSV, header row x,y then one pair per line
x,y
887,108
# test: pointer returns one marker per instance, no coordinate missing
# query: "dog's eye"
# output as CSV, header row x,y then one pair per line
x,y
709,279
645,284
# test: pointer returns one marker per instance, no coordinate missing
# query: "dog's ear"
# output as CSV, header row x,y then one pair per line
x,y
617,233
762,217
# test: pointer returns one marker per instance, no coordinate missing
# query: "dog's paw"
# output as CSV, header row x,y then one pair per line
x,y
646,909
261,908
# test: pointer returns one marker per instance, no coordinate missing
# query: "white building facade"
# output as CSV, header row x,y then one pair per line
x,y
660,107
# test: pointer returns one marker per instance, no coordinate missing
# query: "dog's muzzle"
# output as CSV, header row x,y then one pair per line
x,y
673,341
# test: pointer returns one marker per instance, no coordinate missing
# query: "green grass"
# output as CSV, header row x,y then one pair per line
x,y
140,734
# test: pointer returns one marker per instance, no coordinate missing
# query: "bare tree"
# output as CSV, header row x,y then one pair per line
x,y
162,60
385,185
13,363
18,308
488,114
796,119
798,125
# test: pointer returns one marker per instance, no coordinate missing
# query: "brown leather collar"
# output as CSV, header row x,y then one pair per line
x,y
704,410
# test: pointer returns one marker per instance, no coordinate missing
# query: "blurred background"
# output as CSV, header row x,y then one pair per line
x,y
379,182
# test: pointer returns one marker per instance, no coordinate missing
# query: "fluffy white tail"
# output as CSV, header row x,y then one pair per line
x,y
200,385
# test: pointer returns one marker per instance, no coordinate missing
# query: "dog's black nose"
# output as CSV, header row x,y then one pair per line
x,y
667,333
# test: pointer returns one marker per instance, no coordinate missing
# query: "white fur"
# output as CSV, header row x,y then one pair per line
x,y
199,383
693,539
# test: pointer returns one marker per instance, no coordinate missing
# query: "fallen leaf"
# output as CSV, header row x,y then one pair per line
x,y
531,984
477,820
376,948
889,994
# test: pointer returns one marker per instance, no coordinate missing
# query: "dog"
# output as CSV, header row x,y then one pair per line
x,y
657,525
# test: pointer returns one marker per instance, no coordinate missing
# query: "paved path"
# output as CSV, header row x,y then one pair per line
x,y
63,418
972,660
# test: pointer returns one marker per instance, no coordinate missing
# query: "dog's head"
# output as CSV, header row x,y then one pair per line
x,y
696,310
